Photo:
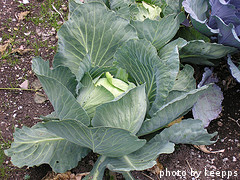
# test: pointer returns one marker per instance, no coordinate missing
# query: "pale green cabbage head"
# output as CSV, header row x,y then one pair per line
x,y
114,85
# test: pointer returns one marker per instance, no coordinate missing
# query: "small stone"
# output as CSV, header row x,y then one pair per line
x,y
27,33
53,39
59,23
64,8
234,159
225,159
220,123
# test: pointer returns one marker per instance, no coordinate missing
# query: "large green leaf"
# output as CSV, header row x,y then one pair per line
x,y
124,8
190,33
169,55
63,101
171,111
94,30
172,7
61,74
185,80
189,131
111,142
91,96
98,169
141,159
128,112
140,59
198,52
36,146
160,32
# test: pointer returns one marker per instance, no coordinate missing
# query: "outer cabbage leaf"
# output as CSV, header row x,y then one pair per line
x,y
107,141
124,8
63,101
200,52
172,7
198,10
127,112
234,69
52,116
140,59
169,55
61,74
185,82
36,145
160,32
189,131
208,106
141,159
171,111
190,33
94,30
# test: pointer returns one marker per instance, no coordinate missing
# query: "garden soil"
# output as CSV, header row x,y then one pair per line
x,y
18,108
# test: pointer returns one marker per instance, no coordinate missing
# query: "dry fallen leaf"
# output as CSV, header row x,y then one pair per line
x,y
81,175
175,121
22,15
156,169
204,149
21,51
36,84
24,85
3,48
39,98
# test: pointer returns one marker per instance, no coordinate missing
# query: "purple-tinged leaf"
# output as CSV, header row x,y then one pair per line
x,y
208,106
227,12
207,77
235,71
227,34
199,15
236,3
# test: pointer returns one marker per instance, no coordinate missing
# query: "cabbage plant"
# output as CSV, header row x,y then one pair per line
x,y
114,90
216,18
220,21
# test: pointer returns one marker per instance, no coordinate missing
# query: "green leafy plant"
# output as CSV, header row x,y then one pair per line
x,y
101,53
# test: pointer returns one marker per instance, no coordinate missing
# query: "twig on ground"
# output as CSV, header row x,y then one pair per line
x,y
58,12
236,121
147,176
19,89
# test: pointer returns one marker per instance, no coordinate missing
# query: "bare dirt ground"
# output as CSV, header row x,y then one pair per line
x,y
18,108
